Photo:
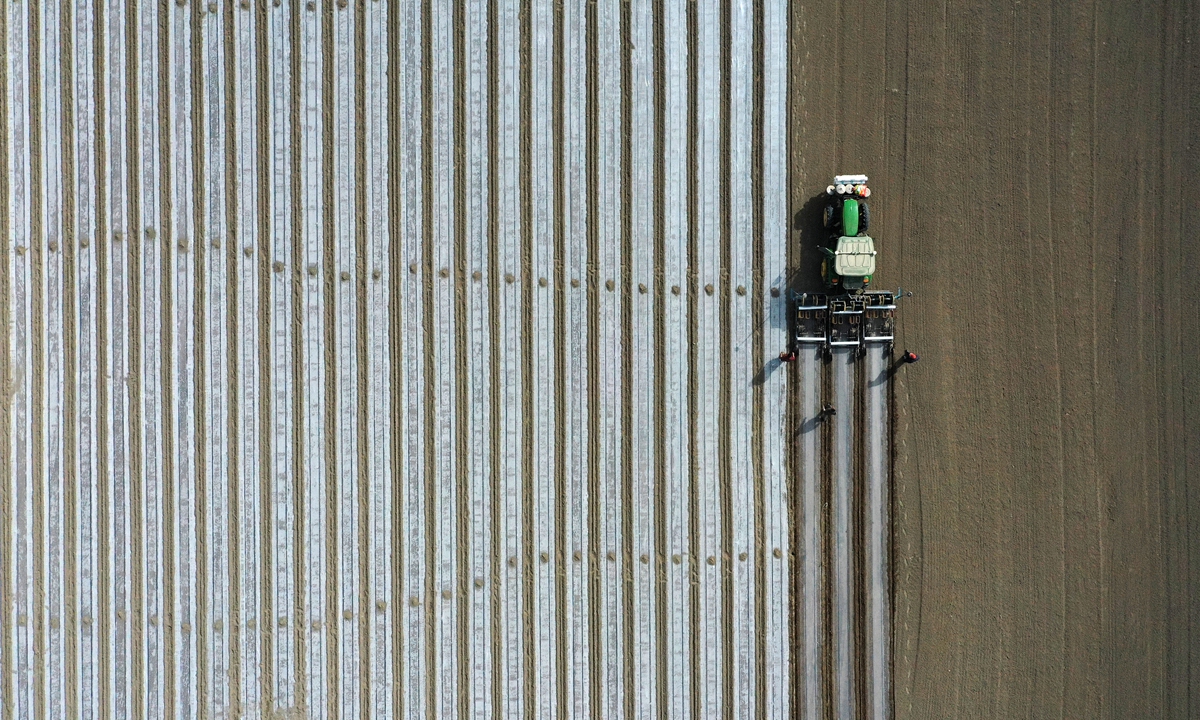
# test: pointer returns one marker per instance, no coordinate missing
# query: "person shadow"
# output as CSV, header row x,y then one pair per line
x,y
766,371
890,371
811,424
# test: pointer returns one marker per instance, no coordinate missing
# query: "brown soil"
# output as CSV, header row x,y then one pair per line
x,y
1033,165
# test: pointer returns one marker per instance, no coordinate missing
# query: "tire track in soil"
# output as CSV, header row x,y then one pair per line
x,y
724,410
525,185
596,659
757,320
361,349
266,612
396,455
168,589
693,334
626,289
559,556
494,304
429,350
331,643
795,417
300,475
134,250
232,362
38,467
102,422
7,392
200,353
459,279
658,559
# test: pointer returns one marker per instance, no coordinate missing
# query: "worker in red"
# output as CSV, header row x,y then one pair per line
x,y
787,356
910,357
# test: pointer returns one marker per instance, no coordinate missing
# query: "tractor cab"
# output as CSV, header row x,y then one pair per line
x,y
850,262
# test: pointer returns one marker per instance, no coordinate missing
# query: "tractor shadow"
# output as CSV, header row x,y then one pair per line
x,y
810,236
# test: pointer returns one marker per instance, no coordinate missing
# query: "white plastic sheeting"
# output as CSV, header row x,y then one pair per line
x,y
386,359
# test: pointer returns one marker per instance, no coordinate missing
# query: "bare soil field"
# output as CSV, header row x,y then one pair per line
x,y
1033,164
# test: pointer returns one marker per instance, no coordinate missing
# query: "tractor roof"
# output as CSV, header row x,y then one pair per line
x,y
850,179
855,256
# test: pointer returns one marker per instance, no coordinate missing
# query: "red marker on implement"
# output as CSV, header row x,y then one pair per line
x,y
910,356
787,356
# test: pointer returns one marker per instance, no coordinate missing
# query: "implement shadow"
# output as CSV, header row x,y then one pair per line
x,y
885,374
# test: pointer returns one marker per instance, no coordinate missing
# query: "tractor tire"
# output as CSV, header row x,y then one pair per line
x,y
864,217
828,219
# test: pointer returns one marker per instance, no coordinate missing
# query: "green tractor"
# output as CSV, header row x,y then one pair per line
x,y
850,263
